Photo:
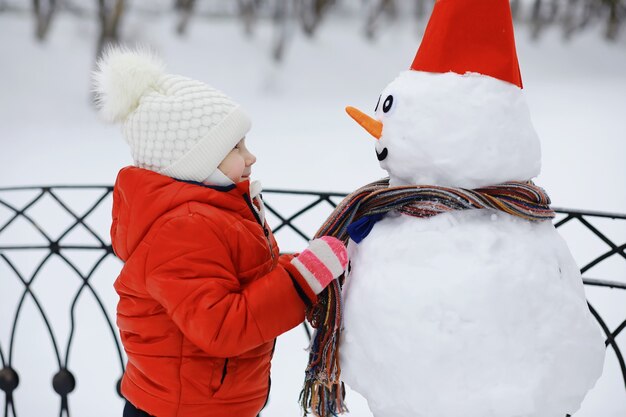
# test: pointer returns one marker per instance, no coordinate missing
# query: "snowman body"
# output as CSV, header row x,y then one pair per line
x,y
472,313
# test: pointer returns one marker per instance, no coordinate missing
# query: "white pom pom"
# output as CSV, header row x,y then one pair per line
x,y
122,77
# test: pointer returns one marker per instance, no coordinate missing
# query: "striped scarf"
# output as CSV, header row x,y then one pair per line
x,y
354,218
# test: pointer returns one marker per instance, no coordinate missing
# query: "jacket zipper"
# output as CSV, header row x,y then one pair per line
x,y
246,197
269,382
266,232
224,372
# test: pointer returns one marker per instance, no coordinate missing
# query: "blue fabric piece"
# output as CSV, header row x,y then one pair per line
x,y
223,188
359,229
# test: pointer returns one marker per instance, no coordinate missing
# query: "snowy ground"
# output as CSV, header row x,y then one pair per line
x,y
303,140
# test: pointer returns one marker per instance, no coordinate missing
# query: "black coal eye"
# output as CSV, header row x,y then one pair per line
x,y
387,104
377,103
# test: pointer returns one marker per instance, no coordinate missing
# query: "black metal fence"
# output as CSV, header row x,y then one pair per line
x,y
68,225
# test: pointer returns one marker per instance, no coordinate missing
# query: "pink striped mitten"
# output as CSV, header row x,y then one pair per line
x,y
324,260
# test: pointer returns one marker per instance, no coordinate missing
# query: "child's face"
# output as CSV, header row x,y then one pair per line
x,y
237,164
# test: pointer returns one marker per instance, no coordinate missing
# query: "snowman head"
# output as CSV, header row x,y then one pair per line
x,y
458,118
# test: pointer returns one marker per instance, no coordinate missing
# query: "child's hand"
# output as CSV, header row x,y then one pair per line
x,y
324,260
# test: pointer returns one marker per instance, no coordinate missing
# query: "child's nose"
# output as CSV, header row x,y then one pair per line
x,y
251,159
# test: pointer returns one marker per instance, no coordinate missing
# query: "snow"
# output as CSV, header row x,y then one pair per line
x,y
482,308
50,134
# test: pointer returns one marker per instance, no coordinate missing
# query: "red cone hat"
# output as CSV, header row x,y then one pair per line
x,y
470,36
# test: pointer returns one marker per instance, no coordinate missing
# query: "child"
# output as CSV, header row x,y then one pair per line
x,y
203,292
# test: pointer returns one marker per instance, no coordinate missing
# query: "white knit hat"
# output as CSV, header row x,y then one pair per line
x,y
175,126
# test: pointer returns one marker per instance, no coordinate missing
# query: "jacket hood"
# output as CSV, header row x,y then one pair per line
x,y
141,197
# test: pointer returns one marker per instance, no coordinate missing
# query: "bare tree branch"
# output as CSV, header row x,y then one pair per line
x,y
422,7
612,25
110,16
280,19
43,9
376,11
185,9
572,16
515,8
311,13
248,10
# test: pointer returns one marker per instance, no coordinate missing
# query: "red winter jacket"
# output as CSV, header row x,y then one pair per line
x,y
203,296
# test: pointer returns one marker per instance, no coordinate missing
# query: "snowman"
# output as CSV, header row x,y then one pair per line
x,y
473,313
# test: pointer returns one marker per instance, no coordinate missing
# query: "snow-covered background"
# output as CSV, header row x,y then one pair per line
x,y
303,140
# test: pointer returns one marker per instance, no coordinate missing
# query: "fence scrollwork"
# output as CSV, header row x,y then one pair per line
x,y
21,231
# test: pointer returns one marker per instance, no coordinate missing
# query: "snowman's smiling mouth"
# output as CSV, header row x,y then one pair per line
x,y
382,155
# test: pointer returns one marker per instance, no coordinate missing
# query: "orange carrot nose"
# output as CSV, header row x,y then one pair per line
x,y
373,126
